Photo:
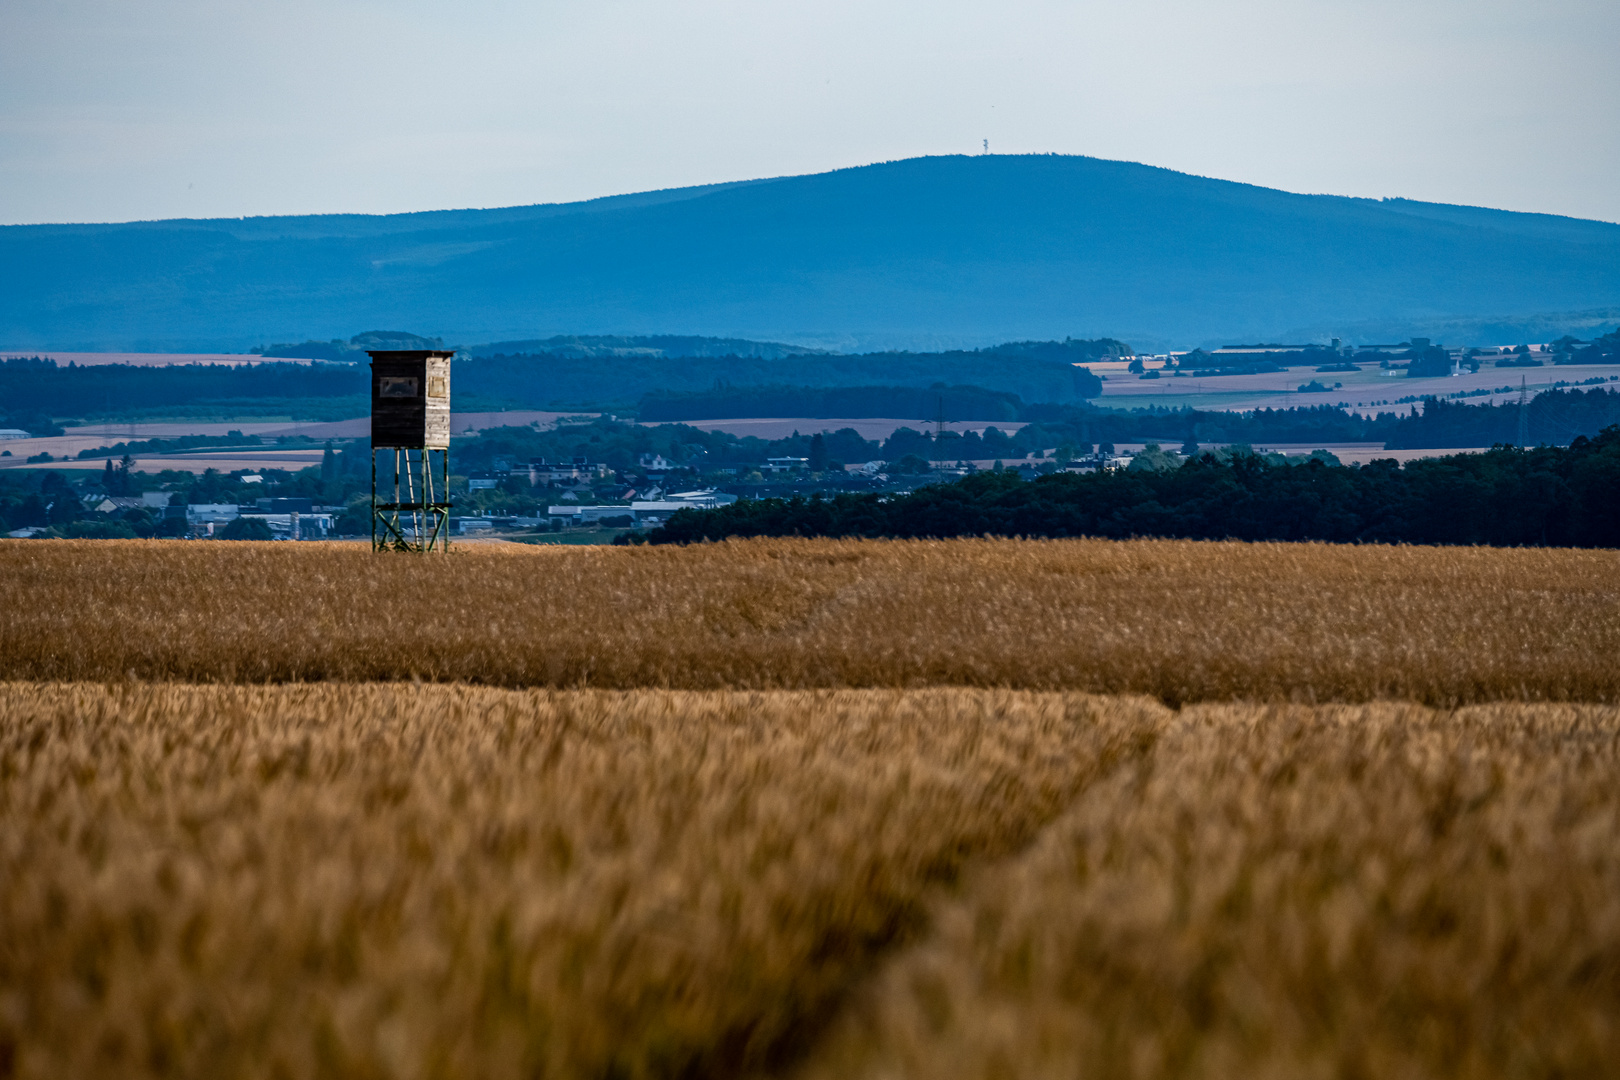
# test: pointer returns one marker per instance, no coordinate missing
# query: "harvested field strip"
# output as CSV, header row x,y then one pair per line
x,y
385,880
1178,620
1373,891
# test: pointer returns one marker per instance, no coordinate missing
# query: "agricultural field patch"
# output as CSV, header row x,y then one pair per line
x,y
1376,890
1177,620
809,808
402,881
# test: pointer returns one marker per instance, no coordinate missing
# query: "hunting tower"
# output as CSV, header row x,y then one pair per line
x,y
410,433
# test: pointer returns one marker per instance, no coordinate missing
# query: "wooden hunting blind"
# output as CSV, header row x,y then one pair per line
x,y
410,400
410,428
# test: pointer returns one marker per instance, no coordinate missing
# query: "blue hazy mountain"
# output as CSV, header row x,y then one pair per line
x,y
921,253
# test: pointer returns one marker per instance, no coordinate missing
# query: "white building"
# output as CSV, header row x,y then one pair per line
x,y
295,526
581,514
657,511
706,498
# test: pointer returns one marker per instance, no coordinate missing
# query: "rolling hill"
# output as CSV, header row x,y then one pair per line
x,y
925,252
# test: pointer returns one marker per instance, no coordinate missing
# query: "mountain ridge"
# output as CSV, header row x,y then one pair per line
x,y
957,250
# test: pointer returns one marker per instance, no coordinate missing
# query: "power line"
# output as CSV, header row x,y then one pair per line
x,y
1524,413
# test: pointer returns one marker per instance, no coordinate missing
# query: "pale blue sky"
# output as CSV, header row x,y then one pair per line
x,y
114,110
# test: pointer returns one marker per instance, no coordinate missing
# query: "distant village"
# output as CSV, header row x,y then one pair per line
x,y
584,478
534,497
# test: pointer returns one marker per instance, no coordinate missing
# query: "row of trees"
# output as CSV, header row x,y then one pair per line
x,y
1600,350
1554,416
621,445
41,386
1545,496
35,389
1042,371
900,402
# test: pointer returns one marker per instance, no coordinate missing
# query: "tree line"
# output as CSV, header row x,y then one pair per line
x,y
1032,370
1558,496
1553,416
39,387
898,402
35,390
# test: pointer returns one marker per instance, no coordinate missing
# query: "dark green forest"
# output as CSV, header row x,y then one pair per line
x,y
1554,416
1560,496
38,390
1040,371
897,402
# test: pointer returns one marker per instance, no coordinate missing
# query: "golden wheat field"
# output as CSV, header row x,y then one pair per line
x,y
1337,891
1178,620
809,809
